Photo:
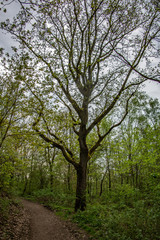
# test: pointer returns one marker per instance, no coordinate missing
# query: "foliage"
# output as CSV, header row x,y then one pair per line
x,y
46,196
75,79
10,167
59,201
116,220
81,62
125,213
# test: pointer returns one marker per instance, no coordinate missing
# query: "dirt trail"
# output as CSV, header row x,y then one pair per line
x,y
45,225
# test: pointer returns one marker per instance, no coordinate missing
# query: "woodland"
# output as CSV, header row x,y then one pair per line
x,y
77,132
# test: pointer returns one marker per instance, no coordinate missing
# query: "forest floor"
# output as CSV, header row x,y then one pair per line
x,y
35,222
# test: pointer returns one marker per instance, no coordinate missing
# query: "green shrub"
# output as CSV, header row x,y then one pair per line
x,y
48,198
125,214
112,223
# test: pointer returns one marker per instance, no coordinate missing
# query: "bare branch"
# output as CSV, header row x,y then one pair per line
x,y
97,144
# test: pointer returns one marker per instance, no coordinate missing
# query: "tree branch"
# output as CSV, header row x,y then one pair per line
x,y
97,144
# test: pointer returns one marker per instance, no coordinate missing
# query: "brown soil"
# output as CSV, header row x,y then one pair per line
x,y
16,226
45,225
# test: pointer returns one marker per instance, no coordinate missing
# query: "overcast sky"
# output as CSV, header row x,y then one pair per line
x,y
152,88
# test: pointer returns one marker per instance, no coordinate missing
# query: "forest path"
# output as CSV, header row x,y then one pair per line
x,y
45,225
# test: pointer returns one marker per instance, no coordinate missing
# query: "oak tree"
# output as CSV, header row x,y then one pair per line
x,y
87,58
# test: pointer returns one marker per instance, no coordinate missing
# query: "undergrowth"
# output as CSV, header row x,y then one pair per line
x,y
124,214
5,204
60,202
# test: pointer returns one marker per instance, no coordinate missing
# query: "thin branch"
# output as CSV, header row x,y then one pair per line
x,y
57,138
97,144
53,143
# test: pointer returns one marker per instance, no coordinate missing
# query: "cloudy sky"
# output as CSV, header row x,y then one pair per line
x,y
152,88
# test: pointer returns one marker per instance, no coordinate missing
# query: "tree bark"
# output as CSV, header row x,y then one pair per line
x,y
51,179
69,177
102,180
109,175
80,203
121,179
137,173
25,186
88,181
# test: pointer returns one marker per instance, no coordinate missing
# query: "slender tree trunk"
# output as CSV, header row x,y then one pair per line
x,y
136,175
31,175
69,177
109,175
121,179
109,179
51,179
127,178
102,180
131,162
131,168
50,161
89,181
132,174
41,178
101,187
96,186
25,186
